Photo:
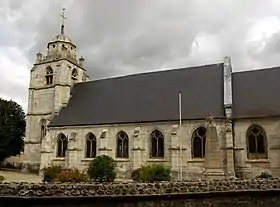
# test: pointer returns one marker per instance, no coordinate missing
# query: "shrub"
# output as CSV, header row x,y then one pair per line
x,y
102,169
7,165
33,170
135,175
264,175
155,172
50,173
71,175
2,178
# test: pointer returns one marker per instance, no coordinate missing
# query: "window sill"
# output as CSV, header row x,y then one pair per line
x,y
45,151
196,160
87,159
258,161
122,160
49,85
157,160
239,148
59,159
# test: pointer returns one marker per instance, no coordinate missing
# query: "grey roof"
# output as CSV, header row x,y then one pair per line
x,y
146,97
256,93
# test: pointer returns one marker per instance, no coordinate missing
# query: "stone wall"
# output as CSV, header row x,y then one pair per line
x,y
249,168
193,188
139,146
259,199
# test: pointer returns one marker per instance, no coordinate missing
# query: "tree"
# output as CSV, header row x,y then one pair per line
x,y
12,129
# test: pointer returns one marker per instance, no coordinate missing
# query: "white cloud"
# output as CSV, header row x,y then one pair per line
x,y
14,75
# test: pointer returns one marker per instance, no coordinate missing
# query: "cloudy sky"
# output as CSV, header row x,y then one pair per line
x,y
131,36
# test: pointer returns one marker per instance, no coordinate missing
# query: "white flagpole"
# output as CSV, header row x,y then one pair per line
x,y
180,134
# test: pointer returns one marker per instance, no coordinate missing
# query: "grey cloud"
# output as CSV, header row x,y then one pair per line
x,y
272,46
266,51
123,37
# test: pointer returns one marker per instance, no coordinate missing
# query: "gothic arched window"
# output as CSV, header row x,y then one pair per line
x,y
122,145
43,128
157,144
74,74
49,76
62,144
256,142
198,143
90,145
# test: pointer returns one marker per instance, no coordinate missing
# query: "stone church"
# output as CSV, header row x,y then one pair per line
x,y
200,121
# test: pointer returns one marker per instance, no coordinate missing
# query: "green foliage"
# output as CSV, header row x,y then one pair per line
x,y
135,175
264,175
12,129
33,170
2,178
153,173
50,173
71,175
102,169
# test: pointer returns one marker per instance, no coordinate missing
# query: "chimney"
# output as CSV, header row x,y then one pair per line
x,y
81,61
39,57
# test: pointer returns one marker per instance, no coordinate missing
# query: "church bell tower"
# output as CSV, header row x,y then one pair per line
x,y
51,80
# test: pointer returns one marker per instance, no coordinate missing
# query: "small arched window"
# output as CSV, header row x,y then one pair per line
x,y
74,74
49,76
62,145
122,145
256,142
90,145
157,144
198,143
43,129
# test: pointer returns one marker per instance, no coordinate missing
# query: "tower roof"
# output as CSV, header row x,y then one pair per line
x,y
62,37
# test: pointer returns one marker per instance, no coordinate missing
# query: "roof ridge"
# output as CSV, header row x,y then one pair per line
x,y
151,72
257,70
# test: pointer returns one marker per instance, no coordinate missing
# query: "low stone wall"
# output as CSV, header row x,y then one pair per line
x,y
32,190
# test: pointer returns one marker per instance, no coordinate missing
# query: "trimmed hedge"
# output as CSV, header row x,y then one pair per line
x,y
102,169
50,173
2,178
264,175
151,173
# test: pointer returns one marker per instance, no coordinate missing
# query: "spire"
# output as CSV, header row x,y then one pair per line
x,y
62,21
61,37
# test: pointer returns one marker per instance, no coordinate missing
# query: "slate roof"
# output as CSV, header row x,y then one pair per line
x,y
256,93
146,97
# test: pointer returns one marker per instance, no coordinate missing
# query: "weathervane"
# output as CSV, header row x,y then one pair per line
x,y
62,21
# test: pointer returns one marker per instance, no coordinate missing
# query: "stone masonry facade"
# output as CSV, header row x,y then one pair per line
x,y
249,168
60,69
139,147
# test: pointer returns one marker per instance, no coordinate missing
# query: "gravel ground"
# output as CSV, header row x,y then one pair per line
x,y
20,177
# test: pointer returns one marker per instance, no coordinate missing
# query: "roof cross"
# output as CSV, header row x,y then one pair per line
x,y
63,16
62,21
